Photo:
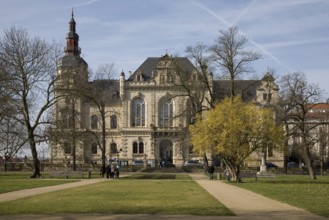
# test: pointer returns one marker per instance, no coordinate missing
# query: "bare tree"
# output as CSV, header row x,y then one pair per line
x,y
105,71
298,99
230,55
30,63
100,96
6,97
12,139
202,91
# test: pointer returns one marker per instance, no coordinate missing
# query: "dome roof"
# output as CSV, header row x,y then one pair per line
x,y
71,60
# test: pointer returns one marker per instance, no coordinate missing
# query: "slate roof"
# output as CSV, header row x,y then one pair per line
x,y
246,88
150,65
112,88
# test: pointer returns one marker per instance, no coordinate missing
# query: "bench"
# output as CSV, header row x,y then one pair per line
x,y
265,175
66,174
248,175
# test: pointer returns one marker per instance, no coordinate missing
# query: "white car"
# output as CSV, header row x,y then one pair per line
x,y
137,163
192,163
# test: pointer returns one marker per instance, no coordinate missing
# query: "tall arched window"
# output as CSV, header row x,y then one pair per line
x,y
191,112
67,121
114,123
94,122
135,148
138,113
141,148
166,113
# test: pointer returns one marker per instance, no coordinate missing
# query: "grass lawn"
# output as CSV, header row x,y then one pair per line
x,y
140,195
17,181
299,191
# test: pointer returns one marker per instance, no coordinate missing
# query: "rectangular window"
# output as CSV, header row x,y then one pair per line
x,y
94,148
267,96
67,148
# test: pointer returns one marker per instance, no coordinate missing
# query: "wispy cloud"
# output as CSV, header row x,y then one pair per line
x,y
254,43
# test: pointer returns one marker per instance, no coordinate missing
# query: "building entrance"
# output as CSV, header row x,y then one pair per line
x,y
166,150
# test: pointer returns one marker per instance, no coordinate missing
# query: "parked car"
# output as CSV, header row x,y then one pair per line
x,y
293,165
270,165
137,163
166,163
192,163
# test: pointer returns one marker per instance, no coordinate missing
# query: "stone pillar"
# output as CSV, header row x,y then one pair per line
x,y
263,165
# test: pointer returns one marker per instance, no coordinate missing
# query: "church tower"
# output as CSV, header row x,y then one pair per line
x,y
72,39
72,82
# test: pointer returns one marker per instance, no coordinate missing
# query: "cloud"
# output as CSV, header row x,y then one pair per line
x,y
291,43
86,3
254,43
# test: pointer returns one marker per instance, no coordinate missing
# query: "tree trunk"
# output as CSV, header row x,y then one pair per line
x,y
103,148
5,165
205,163
74,137
232,88
308,162
36,162
285,151
237,177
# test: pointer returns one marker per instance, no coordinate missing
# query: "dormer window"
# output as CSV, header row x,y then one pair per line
x,y
267,96
139,76
171,78
162,79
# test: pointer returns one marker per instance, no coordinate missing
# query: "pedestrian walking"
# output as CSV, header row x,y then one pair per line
x,y
211,171
117,171
108,171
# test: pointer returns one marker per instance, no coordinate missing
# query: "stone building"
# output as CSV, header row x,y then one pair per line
x,y
316,125
146,114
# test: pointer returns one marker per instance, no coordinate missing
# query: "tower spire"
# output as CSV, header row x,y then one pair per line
x,y
72,38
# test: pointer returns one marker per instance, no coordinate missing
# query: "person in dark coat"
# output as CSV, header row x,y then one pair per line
x,y
108,171
211,171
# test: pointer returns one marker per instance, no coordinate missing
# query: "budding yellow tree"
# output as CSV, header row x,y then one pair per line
x,y
235,130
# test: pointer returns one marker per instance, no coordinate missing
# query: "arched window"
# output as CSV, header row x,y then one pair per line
x,y
141,148
191,113
135,148
67,121
93,148
114,148
94,122
114,123
138,113
166,113
138,148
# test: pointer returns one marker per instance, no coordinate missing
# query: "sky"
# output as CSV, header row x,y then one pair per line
x,y
292,35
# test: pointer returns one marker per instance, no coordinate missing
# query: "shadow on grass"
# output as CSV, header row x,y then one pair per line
x,y
151,176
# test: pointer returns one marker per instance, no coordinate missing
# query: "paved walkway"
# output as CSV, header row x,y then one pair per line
x,y
245,204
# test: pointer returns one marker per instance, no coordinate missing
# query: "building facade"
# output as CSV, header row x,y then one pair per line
x,y
143,116
315,125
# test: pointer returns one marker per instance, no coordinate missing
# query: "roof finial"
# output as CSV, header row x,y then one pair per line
x,y
72,13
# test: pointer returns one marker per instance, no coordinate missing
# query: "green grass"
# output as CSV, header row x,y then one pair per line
x,y
17,181
300,191
124,196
